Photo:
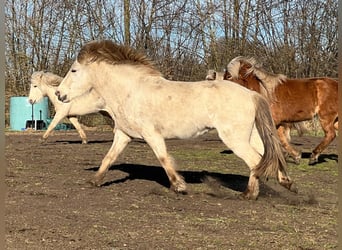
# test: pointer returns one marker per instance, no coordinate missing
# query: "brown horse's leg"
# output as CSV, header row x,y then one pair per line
x,y
119,143
282,129
157,143
330,134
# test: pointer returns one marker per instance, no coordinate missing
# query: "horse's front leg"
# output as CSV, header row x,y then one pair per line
x,y
60,114
119,143
282,130
158,146
79,129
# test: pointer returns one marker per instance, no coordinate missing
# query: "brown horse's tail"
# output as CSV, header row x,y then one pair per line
x,y
273,158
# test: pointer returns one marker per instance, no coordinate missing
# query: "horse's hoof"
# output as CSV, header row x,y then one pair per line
x,y
96,182
247,196
313,161
42,140
297,160
293,188
288,184
179,186
84,141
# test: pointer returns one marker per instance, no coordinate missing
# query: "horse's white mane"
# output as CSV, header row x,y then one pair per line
x,y
46,77
234,65
267,80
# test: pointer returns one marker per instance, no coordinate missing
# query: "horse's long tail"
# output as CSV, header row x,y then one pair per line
x,y
273,158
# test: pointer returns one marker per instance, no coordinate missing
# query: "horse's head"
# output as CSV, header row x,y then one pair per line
x,y
35,94
241,72
76,82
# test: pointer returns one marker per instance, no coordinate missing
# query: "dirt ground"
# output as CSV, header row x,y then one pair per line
x,y
50,204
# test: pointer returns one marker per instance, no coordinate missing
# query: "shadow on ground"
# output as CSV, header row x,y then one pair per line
x,y
216,181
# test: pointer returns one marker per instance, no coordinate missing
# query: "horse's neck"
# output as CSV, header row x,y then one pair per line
x,y
50,92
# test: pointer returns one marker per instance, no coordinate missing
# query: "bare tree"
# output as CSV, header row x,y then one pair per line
x,y
127,22
184,38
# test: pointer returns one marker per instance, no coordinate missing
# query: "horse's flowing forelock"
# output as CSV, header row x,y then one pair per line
x,y
46,77
234,67
111,53
268,81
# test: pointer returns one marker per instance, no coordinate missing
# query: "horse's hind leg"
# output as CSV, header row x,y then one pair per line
x,y
251,158
79,129
286,181
282,130
158,146
251,155
119,143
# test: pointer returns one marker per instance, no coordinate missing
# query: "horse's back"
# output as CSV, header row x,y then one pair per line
x,y
186,109
229,102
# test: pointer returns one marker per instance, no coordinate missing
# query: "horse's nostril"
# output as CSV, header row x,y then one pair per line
x,y
62,98
57,93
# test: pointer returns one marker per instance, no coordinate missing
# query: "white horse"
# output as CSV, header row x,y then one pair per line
x,y
145,105
45,84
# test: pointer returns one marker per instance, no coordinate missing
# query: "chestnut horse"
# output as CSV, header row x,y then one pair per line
x,y
145,105
299,126
291,100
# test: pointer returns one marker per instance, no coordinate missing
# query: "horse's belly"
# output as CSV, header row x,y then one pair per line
x,y
292,114
183,132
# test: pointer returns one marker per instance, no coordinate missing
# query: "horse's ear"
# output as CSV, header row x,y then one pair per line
x,y
211,75
37,74
43,73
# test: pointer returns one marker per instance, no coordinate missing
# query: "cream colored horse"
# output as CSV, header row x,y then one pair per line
x,y
45,84
145,105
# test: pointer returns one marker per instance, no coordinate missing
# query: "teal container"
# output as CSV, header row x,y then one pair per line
x,y
21,112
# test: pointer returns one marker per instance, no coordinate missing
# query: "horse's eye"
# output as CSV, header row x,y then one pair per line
x,y
73,70
35,86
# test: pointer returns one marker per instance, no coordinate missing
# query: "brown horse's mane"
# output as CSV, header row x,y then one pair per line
x,y
109,52
268,81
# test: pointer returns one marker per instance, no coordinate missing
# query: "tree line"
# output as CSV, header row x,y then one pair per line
x,y
185,38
